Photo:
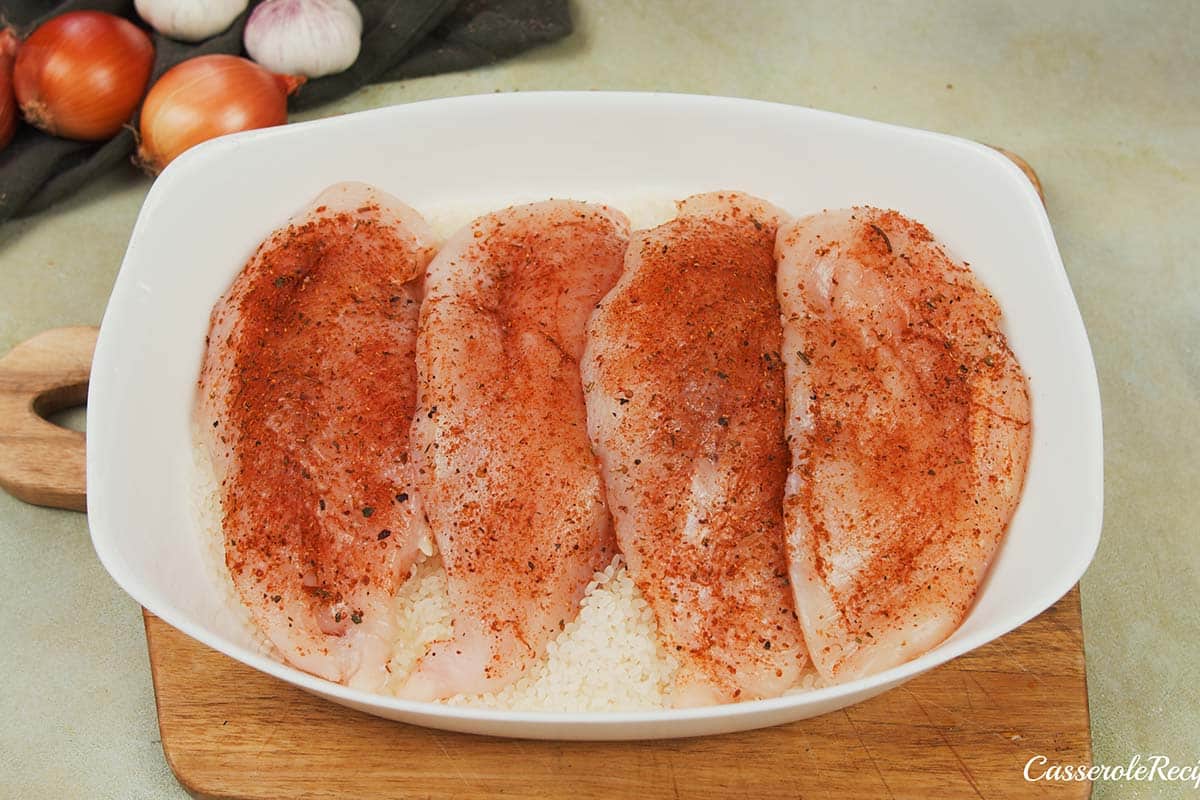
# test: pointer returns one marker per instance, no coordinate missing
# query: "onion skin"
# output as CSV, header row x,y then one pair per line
x,y
9,44
206,97
81,74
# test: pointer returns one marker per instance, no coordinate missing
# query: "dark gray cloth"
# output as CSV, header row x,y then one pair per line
x,y
401,39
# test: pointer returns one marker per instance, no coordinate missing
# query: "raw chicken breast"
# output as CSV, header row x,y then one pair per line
x,y
509,483
909,425
306,394
684,386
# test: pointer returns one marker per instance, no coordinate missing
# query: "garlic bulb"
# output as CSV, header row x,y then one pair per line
x,y
304,37
190,20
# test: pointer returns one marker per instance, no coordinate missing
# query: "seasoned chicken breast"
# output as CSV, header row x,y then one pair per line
x,y
909,426
306,393
684,386
507,477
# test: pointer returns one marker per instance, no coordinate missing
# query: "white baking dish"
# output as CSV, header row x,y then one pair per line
x,y
207,212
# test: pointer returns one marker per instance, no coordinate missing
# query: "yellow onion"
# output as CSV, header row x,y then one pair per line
x,y
205,97
81,74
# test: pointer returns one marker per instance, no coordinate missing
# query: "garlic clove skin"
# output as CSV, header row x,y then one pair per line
x,y
304,37
190,20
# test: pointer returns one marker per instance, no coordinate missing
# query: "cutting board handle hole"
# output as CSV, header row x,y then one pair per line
x,y
72,417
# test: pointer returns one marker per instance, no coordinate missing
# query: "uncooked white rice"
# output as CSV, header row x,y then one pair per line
x,y
206,510
607,659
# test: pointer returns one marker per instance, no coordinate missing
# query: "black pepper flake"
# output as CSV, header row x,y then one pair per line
x,y
622,400
337,617
723,421
356,618
530,563
886,240
803,356
280,281
383,534
402,497
275,598
321,504
367,511
432,411
767,644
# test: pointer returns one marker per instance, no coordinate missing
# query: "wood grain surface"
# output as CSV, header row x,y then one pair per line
x,y
963,730
40,462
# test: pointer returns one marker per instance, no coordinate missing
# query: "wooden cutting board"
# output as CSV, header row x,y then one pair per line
x,y
966,729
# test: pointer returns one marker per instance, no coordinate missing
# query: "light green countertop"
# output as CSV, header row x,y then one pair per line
x,y
1103,100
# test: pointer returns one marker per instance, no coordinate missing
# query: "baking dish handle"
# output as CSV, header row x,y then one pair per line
x,y
40,462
